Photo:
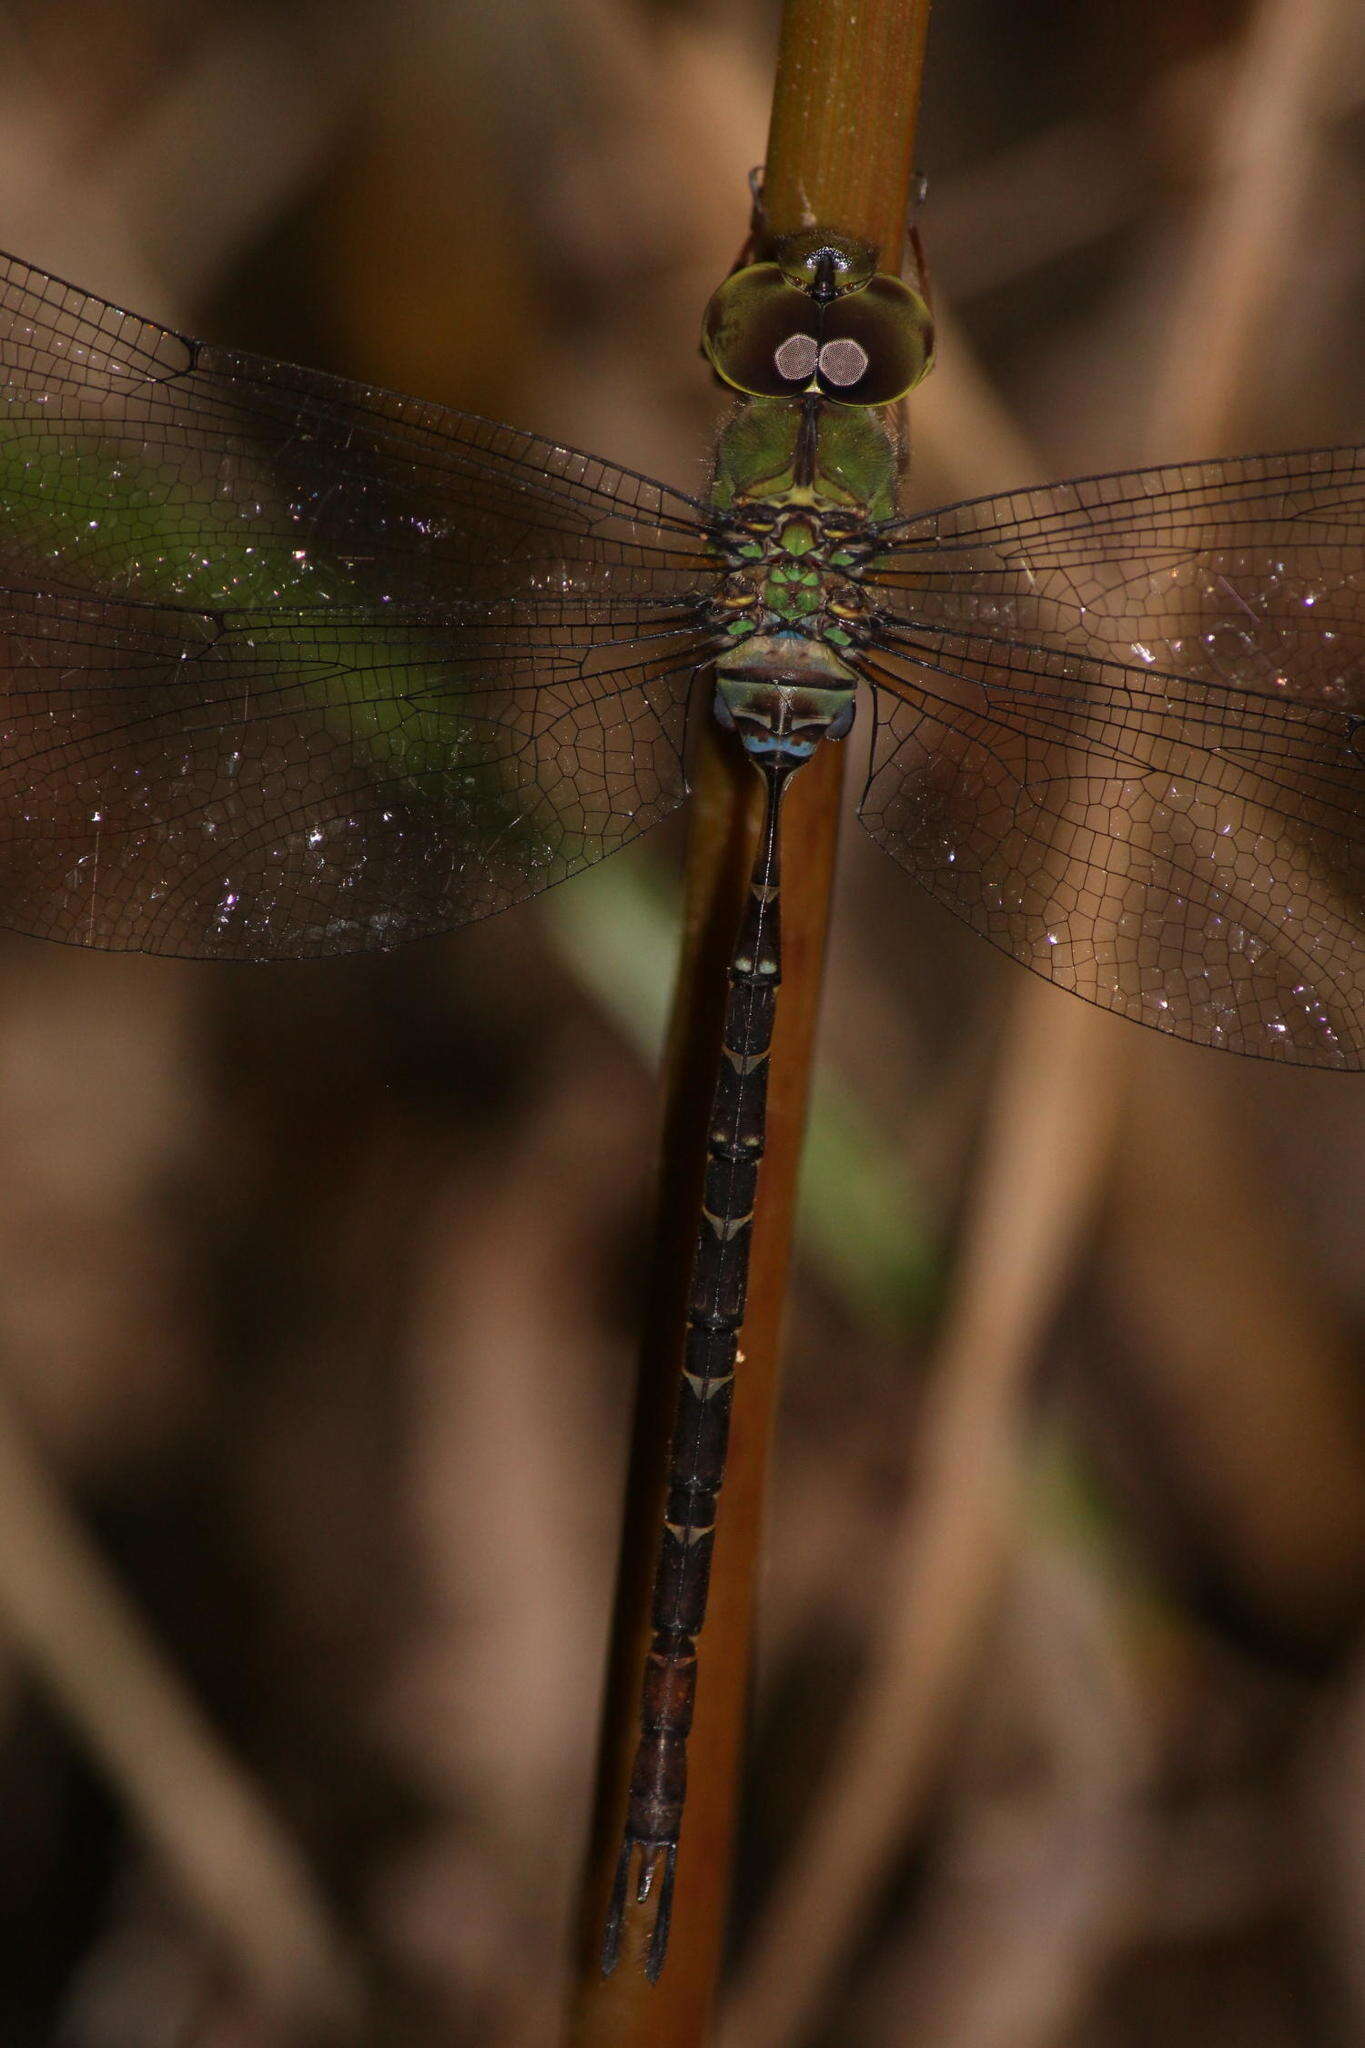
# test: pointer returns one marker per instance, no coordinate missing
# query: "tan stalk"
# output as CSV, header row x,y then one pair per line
x,y
840,150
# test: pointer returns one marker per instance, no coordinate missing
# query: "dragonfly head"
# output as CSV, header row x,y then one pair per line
x,y
819,317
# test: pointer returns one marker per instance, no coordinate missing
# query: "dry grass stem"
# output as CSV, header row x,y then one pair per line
x,y
194,1802
1260,175
1044,1150
1041,1869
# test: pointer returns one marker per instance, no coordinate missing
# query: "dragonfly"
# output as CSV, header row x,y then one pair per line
x,y
292,666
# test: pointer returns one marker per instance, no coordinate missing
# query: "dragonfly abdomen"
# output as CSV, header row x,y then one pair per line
x,y
780,717
715,1315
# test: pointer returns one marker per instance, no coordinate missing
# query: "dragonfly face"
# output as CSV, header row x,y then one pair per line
x,y
819,318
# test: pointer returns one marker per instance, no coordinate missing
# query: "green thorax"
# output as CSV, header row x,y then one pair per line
x,y
799,489
850,453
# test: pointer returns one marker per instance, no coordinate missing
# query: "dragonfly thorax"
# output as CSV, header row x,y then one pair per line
x,y
793,570
791,609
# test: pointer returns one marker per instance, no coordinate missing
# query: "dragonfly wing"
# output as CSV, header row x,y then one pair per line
x,y
294,666
1248,573
1121,731
135,462
236,785
1190,857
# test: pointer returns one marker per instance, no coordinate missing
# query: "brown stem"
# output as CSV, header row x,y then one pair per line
x,y
840,149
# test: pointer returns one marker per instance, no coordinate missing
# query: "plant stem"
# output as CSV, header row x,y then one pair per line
x,y
840,151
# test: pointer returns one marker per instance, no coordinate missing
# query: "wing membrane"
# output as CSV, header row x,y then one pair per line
x,y
1122,732
1189,857
234,786
1246,574
135,462
292,665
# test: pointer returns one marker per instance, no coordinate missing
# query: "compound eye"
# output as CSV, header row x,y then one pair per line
x,y
876,344
760,333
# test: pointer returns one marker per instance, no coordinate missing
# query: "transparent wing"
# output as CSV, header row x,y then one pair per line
x,y
137,463
1247,573
243,786
1120,731
1190,857
294,666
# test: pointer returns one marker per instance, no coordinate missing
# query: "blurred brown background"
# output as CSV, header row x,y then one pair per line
x,y
319,1285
